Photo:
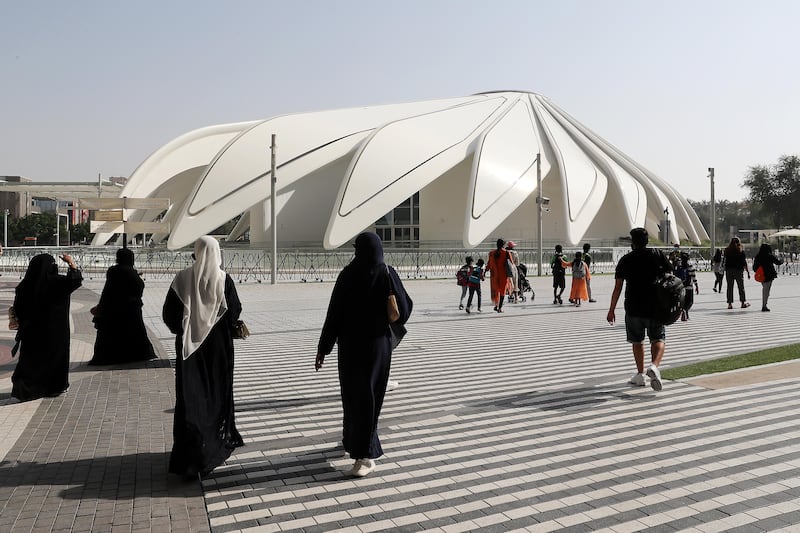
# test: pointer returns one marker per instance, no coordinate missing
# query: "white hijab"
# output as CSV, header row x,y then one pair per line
x,y
201,288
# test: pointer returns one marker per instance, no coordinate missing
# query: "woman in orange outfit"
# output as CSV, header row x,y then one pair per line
x,y
496,268
580,273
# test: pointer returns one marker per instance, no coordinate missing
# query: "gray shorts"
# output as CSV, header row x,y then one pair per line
x,y
635,329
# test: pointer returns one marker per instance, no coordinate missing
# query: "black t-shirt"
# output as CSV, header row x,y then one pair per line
x,y
639,269
735,260
556,266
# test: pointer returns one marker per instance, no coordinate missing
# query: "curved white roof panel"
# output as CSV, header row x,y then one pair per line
x,y
379,156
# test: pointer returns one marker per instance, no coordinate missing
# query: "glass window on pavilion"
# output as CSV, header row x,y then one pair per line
x,y
400,227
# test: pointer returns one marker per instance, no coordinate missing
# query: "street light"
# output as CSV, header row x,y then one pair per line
x,y
713,210
273,181
541,201
5,230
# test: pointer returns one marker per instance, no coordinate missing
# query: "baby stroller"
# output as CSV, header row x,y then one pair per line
x,y
523,283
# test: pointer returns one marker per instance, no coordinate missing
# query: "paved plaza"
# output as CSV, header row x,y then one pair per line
x,y
515,421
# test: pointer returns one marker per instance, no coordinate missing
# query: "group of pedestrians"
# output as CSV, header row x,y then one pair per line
x,y
502,266
469,278
580,267
41,319
731,264
200,309
368,308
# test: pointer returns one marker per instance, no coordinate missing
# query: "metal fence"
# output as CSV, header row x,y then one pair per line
x,y
254,265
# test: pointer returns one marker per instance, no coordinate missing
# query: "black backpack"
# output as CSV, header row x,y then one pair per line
x,y
670,295
556,265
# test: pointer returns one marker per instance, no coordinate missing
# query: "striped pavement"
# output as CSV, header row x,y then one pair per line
x,y
520,421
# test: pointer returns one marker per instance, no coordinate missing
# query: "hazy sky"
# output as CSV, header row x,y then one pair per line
x,y
95,86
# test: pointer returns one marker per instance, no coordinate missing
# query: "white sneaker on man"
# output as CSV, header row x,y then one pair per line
x,y
637,379
655,377
362,467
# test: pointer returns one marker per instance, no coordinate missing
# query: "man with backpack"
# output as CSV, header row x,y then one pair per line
x,y
559,277
639,269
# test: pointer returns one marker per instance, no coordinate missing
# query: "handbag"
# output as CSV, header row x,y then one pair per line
x,y
240,330
759,276
13,323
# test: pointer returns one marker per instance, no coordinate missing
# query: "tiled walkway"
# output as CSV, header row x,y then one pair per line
x,y
519,421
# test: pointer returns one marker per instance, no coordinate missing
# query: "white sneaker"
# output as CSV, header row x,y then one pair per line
x,y
655,377
362,467
637,379
391,385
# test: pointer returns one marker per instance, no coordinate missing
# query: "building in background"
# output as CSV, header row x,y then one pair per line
x,y
456,171
17,202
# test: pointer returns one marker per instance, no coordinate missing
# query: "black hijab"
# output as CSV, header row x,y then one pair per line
x,y
125,257
33,289
357,309
369,256
123,285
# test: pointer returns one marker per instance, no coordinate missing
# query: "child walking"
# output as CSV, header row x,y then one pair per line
x,y
462,279
474,284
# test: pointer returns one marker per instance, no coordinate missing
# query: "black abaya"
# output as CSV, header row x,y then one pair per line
x,y
357,321
204,428
363,373
42,307
121,334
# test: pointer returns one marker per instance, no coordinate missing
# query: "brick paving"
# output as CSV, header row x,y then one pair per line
x,y
95,459
520,421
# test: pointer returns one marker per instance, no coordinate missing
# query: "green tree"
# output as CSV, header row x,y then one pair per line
x,y
738,215
776,190
39,225
80,233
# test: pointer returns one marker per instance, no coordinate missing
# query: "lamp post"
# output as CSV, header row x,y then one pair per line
x,y
5,230
274,216
539,200
713,213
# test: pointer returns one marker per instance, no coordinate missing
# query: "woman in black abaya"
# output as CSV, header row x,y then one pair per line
x,y
200,309
121,335
357,322
42,309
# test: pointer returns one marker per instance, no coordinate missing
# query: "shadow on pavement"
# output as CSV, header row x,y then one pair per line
x,y
102,478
